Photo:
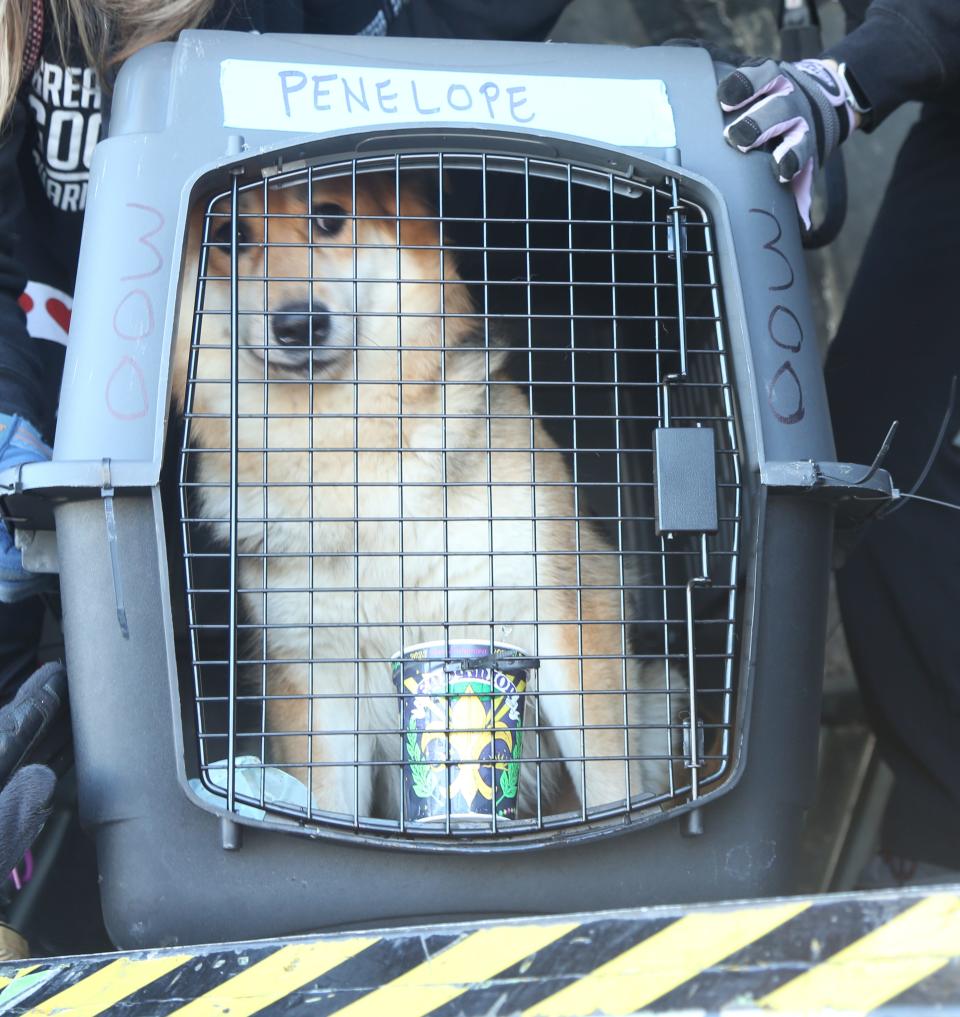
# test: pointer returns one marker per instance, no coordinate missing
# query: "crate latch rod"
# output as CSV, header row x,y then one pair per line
x,y
685,503
693,762
677,229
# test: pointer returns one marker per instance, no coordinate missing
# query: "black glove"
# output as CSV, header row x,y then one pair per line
x,y
25,805
26,798
25,721
799,112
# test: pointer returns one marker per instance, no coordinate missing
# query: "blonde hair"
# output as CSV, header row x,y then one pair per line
x,y
108,31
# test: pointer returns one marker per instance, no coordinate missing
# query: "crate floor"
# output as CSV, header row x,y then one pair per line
x,y
886,952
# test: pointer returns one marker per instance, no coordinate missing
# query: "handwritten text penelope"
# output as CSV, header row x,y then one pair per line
x,y
405,98
271,95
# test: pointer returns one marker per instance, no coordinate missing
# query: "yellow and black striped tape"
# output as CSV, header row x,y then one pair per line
x,y
854,954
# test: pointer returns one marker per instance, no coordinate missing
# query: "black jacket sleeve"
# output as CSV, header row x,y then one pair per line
x,y
527,20
21,387
904,50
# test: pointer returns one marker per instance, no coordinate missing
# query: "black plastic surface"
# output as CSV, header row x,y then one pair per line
x,y
685,480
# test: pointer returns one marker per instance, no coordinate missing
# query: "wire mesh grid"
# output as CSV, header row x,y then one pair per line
x,y
424,587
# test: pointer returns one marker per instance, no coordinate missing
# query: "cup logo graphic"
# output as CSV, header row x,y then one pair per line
x,y
462,729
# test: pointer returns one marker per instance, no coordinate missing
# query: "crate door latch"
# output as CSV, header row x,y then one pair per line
x,y
685,503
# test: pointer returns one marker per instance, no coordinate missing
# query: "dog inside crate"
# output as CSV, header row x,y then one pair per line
x,y
419,396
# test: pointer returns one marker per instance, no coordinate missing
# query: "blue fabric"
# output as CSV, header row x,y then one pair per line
x,y
20,443
15,582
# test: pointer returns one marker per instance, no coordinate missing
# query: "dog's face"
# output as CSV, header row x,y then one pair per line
x,y
327,270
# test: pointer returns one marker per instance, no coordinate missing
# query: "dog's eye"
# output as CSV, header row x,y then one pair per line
x,y
330,218
221,236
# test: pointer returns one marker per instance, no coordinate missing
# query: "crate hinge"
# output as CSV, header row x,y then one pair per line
x,y
859,490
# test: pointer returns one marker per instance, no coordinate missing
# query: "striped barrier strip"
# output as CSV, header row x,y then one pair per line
x,y
653,967
273,978
107,986
851,954
880,965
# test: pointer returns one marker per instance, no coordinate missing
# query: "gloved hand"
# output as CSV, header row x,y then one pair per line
x,y
25,805
799,112
20,443
27,796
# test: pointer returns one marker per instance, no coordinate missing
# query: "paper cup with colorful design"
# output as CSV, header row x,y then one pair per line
x,y
462,705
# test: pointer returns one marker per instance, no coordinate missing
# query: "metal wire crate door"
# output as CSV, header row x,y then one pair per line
x,y
421,398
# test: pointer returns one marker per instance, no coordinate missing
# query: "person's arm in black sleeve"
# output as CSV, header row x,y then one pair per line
x,y
528,20
21,390
904,50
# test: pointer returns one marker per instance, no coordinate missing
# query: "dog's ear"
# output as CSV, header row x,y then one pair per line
x,y
446,184
418,190
425,185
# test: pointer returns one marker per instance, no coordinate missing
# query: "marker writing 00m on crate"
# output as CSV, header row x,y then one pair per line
x,y
462,707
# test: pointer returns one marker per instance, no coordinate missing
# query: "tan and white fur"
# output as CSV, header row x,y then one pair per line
x,y
390,512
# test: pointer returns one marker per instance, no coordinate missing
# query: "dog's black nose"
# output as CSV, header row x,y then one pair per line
x,y
299,325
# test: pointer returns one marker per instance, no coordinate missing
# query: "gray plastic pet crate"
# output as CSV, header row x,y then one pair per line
x,y
723,247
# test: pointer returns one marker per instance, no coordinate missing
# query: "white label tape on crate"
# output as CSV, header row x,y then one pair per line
x,y
308,98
